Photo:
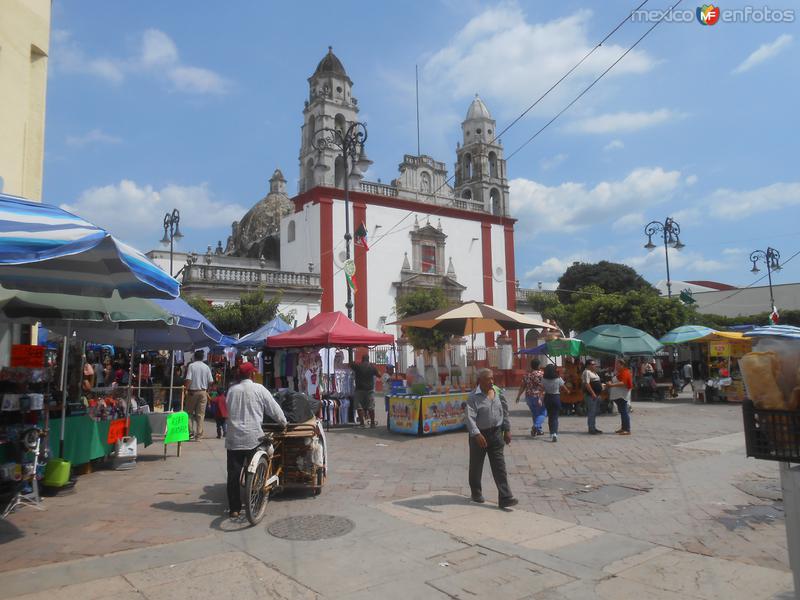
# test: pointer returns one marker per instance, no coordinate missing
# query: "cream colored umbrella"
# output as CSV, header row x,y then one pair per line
x,y
471,318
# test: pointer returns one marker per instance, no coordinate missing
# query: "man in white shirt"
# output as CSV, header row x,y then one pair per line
x,y
592,388
248,402
198,378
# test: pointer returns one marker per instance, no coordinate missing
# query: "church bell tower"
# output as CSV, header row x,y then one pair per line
x,y
330,104
480,176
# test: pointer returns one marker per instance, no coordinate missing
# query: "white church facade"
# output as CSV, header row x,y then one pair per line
x,y
422,231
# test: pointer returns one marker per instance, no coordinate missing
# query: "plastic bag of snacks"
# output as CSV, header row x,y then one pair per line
x,y
772,373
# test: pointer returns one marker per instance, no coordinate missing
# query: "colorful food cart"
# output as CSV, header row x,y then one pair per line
x,y
426,414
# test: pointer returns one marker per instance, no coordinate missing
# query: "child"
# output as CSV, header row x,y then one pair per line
x,y
220,409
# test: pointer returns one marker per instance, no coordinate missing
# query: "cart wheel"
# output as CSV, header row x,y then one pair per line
x,y
256,493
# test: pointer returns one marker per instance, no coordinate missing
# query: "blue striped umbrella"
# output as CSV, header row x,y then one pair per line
x,y
685,333
258,338
787,331
46,249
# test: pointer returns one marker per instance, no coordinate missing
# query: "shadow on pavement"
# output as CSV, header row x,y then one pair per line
x,y
9,532
212,501
428,503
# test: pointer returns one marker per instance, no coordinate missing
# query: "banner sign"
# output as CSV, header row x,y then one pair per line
x,y
23,355
177,428
443,412
404,414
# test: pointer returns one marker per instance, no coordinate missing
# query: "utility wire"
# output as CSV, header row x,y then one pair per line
x,y
542,97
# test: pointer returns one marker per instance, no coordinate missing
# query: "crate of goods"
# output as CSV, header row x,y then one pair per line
x,y
771,434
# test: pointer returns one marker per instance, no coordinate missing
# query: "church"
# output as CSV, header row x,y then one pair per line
x,y
422,232
422,229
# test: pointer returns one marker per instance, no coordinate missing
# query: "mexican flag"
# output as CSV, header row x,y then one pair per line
x,y
360,236
351,281
774,316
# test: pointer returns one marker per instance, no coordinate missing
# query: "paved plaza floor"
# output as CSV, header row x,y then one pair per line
x,y
673,511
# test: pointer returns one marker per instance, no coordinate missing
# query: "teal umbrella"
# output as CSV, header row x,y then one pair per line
x,y
685,333
619,340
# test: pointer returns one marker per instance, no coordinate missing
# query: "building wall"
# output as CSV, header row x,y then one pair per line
x,y
748,301
24,44
465,245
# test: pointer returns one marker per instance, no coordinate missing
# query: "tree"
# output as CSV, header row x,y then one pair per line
x,y
787,317
609,277
640,308
417,302
251,312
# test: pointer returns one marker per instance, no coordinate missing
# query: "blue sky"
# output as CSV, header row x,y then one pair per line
x,y
155,105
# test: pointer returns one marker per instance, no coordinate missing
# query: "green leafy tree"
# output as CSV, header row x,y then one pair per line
x,y
787,317
608,276
417,302
251,312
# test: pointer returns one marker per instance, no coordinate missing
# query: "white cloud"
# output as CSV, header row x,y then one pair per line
x,y
157,57
691,180
764,52
551,163
614,145
733,251
623,122
687,262
500,54
197,81
629,221
131,211
95,136
571,206
158,49
554,267
733,204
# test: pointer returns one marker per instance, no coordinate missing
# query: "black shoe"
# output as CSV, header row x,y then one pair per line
x,y
595,432
478,499
508,503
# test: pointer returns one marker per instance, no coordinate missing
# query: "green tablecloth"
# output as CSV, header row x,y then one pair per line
x,y
85,439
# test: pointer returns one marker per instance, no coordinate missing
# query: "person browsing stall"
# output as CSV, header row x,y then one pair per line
x,y
364,396
489,431
620,392
198,378
248,403
592,388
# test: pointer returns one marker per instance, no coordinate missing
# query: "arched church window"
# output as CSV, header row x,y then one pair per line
x,y
312,129
466,194
468,166
497,204
428,258
340,124
492,164
425,182
309,174
290,232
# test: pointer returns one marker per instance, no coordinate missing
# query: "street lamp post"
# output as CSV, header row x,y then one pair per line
x,y
670,232
771,258
349,144
171,233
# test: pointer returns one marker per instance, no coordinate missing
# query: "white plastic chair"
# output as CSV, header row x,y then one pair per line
x,y
699,390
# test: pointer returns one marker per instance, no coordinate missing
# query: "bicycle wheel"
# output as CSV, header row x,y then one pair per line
x,y
256,494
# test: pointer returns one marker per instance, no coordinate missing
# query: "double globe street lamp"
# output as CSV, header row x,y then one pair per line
x,y
772,259
348,144
670,231
171,233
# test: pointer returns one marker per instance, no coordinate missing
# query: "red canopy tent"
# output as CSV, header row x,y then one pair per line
x,y
329,329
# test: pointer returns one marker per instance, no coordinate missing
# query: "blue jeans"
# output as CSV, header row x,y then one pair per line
x,y
552,403
591,409
538,410
624,415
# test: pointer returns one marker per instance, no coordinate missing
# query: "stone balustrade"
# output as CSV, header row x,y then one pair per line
x,y
249,277
379,189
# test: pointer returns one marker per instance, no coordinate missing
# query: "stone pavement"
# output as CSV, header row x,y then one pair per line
x,y
673,511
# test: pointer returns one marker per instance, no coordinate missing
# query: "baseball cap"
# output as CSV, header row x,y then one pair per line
x,y
246,368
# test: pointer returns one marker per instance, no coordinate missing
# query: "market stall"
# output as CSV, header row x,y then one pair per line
x,y
723,349
327,331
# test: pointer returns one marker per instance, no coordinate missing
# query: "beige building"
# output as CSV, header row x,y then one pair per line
x,y
24,46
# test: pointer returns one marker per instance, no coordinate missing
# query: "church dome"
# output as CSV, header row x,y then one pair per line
x,y
478,110
330,64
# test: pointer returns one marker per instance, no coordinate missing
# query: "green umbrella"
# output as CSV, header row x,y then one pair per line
x,y
565,347
619,340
